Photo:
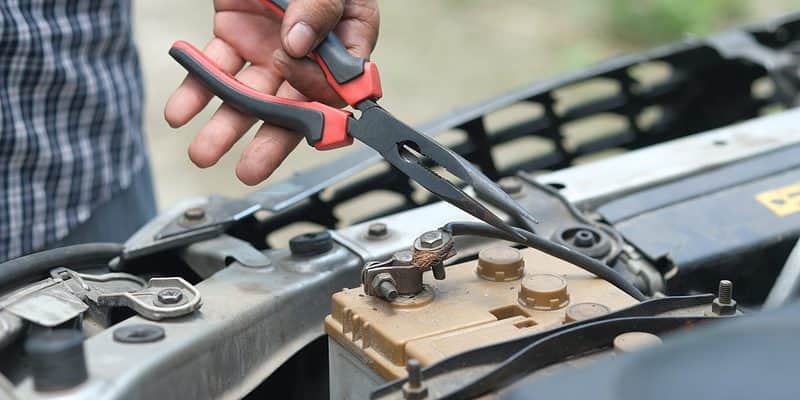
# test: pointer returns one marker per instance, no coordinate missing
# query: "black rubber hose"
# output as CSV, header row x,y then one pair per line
x,y
554,249
79,256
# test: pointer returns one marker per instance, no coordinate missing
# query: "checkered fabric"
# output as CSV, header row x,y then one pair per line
x,y
70,115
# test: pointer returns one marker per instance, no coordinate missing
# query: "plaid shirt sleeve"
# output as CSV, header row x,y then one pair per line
x,y
70,115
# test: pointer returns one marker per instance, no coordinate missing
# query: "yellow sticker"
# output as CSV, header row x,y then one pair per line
x,y
782,201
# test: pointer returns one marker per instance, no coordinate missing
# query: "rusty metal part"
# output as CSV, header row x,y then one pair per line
x,y
390,278
431,249
401,275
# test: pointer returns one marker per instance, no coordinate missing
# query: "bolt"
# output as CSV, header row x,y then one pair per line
x,y
413,389
194,214
387,290
431,239
170,296
377,230
404,257
725,293
383,283
724,304
510,185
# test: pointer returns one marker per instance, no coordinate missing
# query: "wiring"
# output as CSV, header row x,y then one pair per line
x,y
554,249
77,257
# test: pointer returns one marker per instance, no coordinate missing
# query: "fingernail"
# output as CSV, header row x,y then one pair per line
x,y
281,63
300,39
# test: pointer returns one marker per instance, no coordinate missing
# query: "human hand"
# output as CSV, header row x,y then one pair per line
x,y
268,53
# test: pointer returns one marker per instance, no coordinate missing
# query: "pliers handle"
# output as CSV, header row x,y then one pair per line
x,y
323,126
353,79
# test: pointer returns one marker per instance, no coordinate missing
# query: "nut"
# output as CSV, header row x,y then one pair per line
x,y
724,305
383,284
170,296
720,308
431,239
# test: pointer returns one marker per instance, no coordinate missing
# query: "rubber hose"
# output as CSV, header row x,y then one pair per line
x,y
79,256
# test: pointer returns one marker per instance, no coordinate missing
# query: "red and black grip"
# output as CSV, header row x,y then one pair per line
x,y
353,78
323,126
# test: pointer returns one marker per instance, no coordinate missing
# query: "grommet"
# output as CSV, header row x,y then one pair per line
x,y
309,244
139,333
544,292
500,264
57,359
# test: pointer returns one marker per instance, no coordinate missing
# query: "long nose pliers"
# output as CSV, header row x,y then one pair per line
x,y
357,82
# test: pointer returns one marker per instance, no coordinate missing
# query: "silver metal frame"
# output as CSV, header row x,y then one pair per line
x,y
253,319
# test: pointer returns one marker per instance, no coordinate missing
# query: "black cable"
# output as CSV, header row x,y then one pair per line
x,y
554,249
79,256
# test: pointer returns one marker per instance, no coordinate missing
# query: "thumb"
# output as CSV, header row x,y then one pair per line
x,y
306,23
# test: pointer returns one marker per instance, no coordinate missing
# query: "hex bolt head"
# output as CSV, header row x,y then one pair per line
x,y
194,214
431,239
404,257
377,230
414,389
724,305
170,296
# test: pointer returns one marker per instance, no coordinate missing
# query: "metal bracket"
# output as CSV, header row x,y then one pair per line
x,y
209,256
152,303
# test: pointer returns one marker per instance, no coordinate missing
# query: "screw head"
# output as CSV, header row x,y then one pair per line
x,y
170,295
377,230
431,239
194,214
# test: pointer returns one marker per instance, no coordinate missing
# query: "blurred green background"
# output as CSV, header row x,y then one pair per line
x,y
434,56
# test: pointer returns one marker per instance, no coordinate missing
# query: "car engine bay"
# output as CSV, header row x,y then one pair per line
x,y
678,168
